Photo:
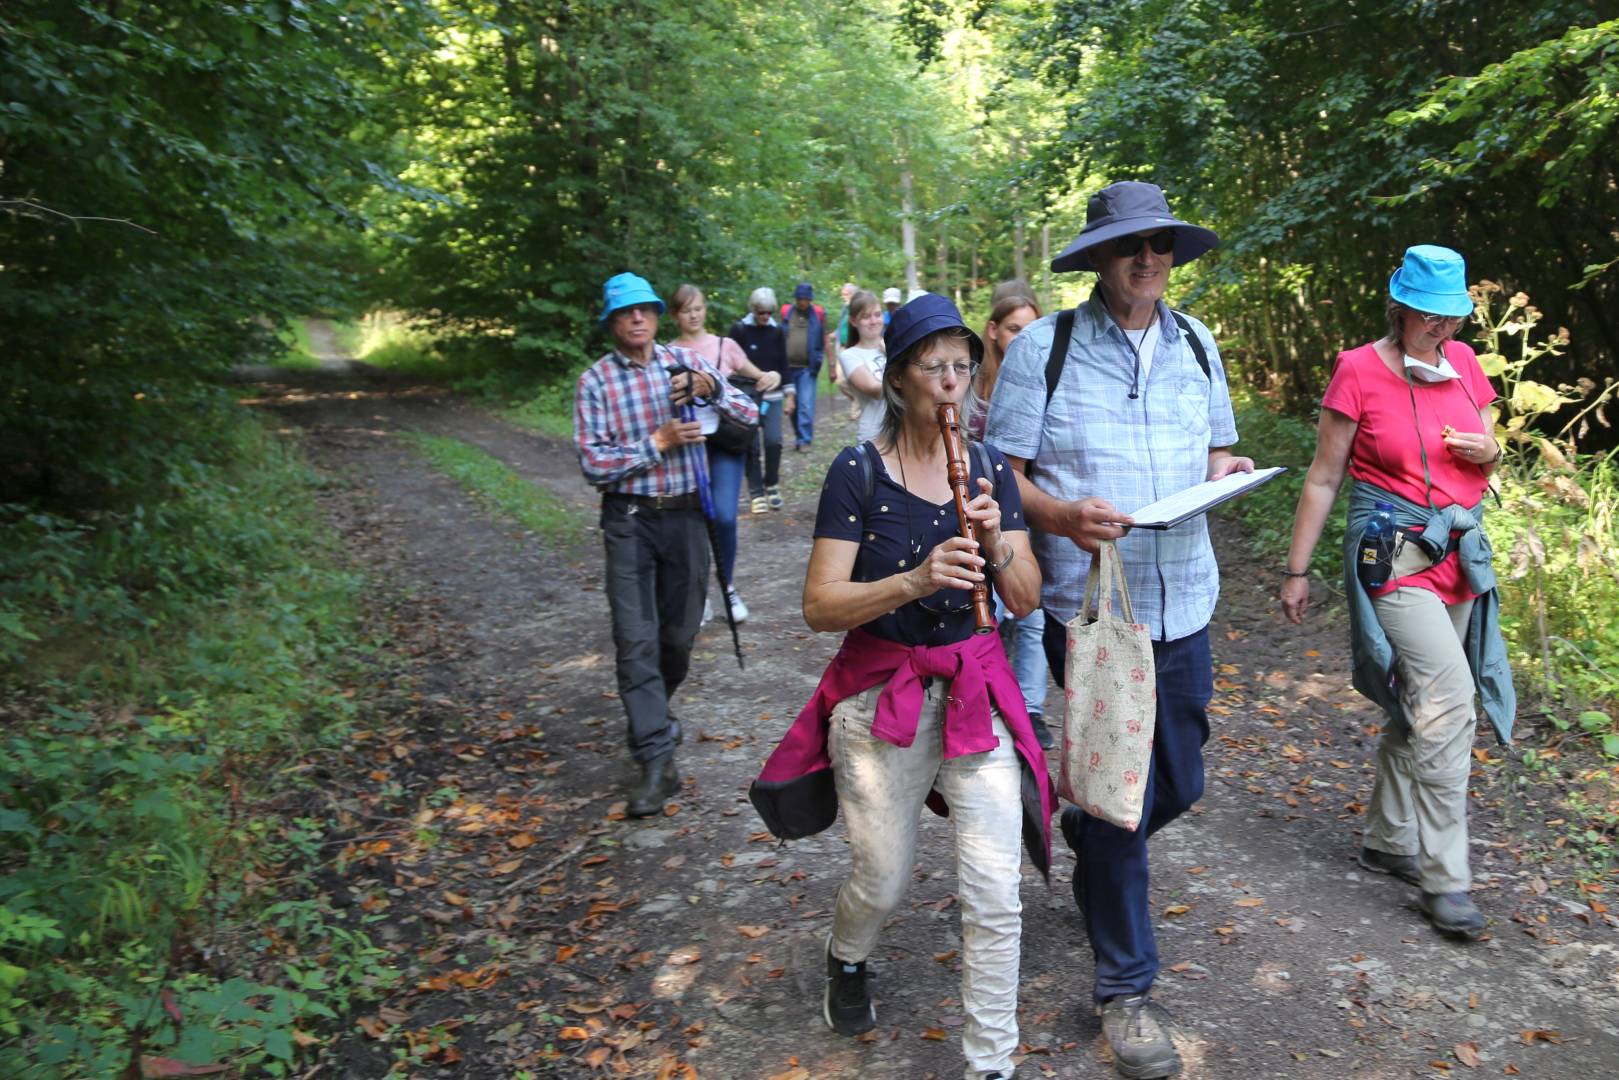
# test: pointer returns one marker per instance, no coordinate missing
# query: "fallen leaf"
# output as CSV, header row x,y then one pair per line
x,y
573,1034
598,1057
1251,901
944,957
372,1026
593,860
1467,1054
565,953
1442,1066
521,840
1312,652
686,954
454,899
753,931
796,1073
1176,909
1530,1037
1336,764
936,1034
506,867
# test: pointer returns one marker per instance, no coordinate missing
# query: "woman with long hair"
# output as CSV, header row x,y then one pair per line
x,y
724,469
1014,309
863,363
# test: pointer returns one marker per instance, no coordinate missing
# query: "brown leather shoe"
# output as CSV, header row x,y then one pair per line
x,y
659,780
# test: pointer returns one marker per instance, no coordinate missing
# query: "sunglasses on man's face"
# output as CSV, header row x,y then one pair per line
x,y
1126,247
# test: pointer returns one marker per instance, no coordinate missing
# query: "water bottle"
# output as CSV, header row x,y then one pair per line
x,y
1375,560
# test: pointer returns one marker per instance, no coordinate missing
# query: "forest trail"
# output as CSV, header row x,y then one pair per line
x,y
543,935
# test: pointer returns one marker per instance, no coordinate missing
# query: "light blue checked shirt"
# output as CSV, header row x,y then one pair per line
x,y
1095,441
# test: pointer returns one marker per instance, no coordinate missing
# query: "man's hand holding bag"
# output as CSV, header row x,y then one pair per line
x,y
1112,700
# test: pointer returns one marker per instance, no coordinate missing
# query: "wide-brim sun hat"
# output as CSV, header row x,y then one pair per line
x,y
1131,206
927,314
1433,280
627,290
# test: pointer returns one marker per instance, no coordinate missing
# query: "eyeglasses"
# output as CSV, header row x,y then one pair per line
x,y
963,369
1440,320
1125,247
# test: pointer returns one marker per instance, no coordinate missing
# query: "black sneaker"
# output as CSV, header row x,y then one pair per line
x,y
1403,867
1042,733
1453,914
847,1003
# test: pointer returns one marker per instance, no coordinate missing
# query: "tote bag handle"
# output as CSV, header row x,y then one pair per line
x,y
1106,574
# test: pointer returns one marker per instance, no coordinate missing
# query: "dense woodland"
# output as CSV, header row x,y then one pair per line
x,y
179,179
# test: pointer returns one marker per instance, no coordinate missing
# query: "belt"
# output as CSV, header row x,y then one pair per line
x,y
688,501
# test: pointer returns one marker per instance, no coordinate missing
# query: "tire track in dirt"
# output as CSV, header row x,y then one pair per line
x,y
558,940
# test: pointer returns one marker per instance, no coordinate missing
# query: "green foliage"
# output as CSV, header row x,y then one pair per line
x,y
496,485
166,657
299,351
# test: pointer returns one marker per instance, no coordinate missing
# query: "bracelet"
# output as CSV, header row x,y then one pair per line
x,y
1499,451
1294,573
1004,563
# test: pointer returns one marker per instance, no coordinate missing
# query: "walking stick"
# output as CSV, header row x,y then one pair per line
x,y
705,495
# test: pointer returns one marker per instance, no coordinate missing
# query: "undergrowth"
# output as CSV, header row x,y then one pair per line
x,y
167,657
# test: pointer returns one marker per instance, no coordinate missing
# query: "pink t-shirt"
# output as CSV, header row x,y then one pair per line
x,y
723,353
1386,449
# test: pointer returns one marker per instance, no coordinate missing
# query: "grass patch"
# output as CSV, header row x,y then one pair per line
x,y
493,483
299,351
167,659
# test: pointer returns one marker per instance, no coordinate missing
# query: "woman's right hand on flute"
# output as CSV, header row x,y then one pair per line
x,y
954,564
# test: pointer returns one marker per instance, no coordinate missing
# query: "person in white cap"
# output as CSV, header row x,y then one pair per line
x,y
891,302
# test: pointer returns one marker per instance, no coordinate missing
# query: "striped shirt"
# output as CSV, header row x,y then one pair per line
x,y
618,405
1093,440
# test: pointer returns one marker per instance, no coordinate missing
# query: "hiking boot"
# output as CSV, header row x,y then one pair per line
x,y
1042,733
1453,914
802,448
659,780
847,1003
1137,1028
1403,867
739,610
760,505
773,497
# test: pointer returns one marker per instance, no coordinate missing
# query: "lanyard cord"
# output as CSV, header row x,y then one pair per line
x,y
1410,386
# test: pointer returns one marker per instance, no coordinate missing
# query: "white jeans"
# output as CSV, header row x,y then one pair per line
x,y
1419,803
881,789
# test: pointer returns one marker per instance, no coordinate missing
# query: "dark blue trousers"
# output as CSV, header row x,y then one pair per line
x,y
1110,880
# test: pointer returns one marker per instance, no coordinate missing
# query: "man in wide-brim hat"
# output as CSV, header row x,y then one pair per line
x,y
1109,407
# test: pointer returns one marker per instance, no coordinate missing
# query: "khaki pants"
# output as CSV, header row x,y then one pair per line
x,y
1419,803
881,790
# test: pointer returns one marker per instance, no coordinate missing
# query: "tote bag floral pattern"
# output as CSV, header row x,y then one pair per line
x,y
1112,700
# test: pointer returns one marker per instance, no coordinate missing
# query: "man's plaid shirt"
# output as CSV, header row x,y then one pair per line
x,y
618,405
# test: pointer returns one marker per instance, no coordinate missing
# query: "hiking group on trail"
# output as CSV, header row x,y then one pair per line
x,y
1068,420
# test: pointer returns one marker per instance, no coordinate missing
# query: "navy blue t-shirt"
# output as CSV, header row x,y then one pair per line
x,y
896,530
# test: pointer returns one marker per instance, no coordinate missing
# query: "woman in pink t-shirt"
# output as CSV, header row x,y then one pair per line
x,y
1408,415
724,469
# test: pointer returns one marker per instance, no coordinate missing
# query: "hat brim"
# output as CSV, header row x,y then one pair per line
x,y
1455,305
633,301
920,329
1190,240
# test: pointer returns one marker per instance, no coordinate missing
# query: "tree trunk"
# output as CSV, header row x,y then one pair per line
x,y
907,228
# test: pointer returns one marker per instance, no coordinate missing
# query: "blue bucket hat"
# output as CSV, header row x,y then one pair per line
x,y
1432,279
627,290
927,314
805,291
1131,206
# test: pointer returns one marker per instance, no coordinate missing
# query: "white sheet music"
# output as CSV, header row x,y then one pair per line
x,y
1200,498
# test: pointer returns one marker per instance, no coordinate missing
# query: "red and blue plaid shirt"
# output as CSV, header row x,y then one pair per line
x,y
618,405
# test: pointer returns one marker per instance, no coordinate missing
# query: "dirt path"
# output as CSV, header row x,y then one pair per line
x,y
543,935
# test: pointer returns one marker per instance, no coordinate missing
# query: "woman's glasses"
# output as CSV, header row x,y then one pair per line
x,y
1441,320
963,369
1125,247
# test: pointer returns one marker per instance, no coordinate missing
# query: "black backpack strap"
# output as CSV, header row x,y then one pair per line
x,y
1197,348
868,473
1059,350
980,456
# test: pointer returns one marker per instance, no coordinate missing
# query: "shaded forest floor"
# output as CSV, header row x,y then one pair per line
x,y
542,934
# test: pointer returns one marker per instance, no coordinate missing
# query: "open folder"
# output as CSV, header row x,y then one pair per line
x,y
1171,510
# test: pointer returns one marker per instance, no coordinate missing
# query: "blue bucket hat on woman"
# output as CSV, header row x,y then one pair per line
x,y
627,290
1131,206
927,314
1432,279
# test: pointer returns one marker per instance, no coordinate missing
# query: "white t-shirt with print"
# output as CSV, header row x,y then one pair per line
x,y
871,408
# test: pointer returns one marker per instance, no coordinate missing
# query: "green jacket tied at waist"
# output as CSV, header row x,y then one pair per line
x,y
1373,656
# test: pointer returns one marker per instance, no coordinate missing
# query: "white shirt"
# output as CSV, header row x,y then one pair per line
x,y
871,408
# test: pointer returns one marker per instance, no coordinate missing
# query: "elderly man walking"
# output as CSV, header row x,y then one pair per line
x,y
1115,404
646,459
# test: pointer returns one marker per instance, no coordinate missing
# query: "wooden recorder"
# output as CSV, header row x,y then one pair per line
x,y
955,452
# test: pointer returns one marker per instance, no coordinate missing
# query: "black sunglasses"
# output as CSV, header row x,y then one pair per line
x,y
1125,247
